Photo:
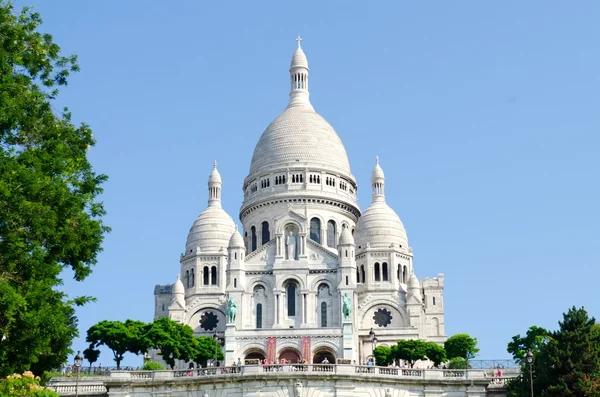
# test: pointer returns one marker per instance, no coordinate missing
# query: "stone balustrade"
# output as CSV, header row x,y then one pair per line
x,y
269,378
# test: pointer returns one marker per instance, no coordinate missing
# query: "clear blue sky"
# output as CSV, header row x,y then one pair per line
x,y
485,116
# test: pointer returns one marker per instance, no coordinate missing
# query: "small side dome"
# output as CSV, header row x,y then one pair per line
x,y
178,287
346,237
380,226
413,282
236,240
211,231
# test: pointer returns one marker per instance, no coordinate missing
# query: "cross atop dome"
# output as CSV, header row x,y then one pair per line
x,y
299,39
215,164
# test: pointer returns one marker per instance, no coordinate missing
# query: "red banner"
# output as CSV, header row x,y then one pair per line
x,y
306,352
271,349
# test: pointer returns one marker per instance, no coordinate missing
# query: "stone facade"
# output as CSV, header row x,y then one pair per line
x,y
303,247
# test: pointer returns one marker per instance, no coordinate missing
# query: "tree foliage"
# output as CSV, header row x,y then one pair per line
x,y
152,366
461,345
411,350
49,217
534,339
91,355
435,353
119,337
566,361
383,355
207,348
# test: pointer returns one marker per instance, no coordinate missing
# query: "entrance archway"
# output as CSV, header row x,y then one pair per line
x,y
255,354
321,354
290,355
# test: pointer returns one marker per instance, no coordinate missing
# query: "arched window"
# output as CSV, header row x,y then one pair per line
x,y
384,271
291,299
163,307
315,230
405,275
362,273
213,275
253,232
192,277
357,275
377,272
434,301
187,279
398,274
323,314
265,233
205,275
259,315
331,234
235,283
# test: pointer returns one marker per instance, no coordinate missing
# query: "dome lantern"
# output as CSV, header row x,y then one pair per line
x,y
299,95
214,187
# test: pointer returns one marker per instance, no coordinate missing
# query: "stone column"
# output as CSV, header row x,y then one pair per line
x,y
230,344
278,309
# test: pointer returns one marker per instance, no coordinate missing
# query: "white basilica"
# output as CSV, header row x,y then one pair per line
x,y
304,247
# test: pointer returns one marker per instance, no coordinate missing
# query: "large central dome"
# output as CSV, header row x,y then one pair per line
x,y
300,136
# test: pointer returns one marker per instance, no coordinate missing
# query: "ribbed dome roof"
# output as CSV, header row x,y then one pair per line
x,y
380,226
346,237
413,282
300,136
211,231
178,286
299,59
215,176
236,240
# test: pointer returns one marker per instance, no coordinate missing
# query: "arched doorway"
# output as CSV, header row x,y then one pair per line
x,y
254,354
290,355
321,354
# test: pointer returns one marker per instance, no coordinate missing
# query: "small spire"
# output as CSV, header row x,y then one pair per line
x,y
299,39
376,159
215,164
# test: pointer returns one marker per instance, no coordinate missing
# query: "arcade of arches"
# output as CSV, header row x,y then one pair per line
x,y
291,355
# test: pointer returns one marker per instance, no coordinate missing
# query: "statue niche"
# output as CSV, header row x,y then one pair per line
x,y
291,243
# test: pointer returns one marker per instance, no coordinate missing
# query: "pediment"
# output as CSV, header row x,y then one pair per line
x,y
316,253
264,255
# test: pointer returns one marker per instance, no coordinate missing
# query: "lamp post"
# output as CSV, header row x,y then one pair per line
x,y
216,339
373,339
78,361
529,359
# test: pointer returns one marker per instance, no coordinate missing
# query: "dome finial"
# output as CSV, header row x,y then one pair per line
x,y
299,39
215,164
376,160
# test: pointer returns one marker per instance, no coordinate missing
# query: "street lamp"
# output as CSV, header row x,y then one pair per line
x,y
78,361
373,341
529,359
216,339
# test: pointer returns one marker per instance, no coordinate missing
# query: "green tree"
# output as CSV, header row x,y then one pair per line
x,y
174,341
152,366
566,362
534,339
119,337
411,350
572,357
91,355
383,355
461,345
458,363
207,348
435,353
49,217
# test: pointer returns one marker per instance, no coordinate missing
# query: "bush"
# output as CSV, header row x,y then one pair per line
x,y
153,366
24,385
458,363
